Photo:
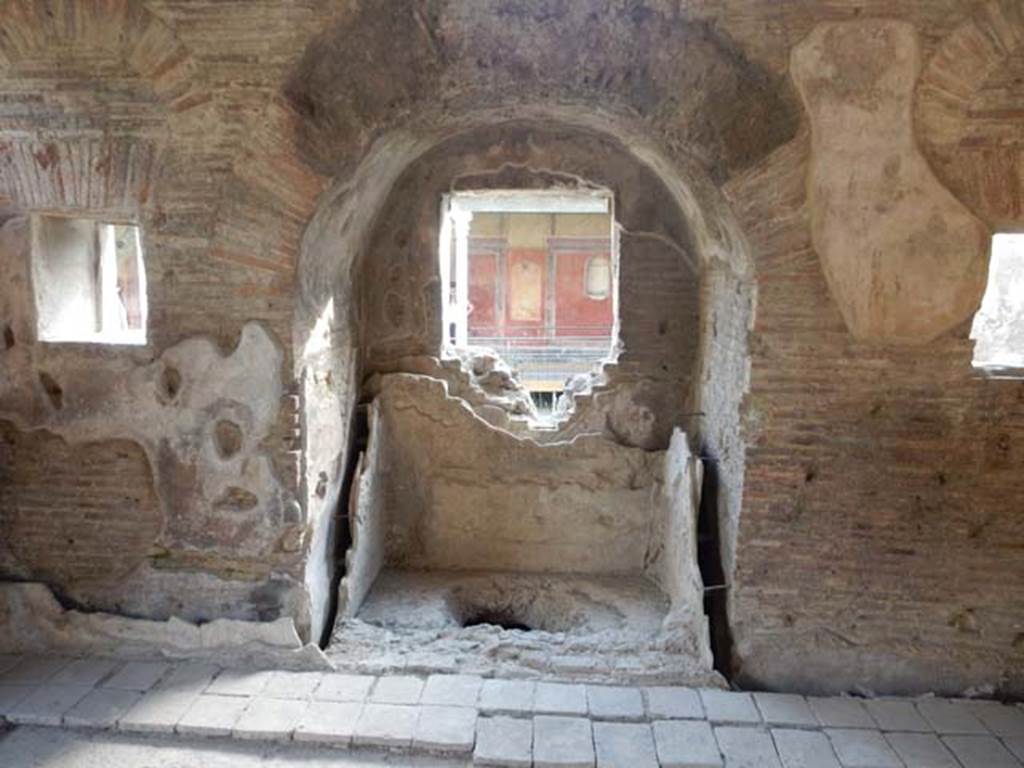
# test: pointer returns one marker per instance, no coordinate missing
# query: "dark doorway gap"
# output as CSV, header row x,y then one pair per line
x,y
359,437
709,560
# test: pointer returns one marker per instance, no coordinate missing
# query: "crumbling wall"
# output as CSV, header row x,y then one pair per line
x,y
650,387
367,517
672,557
873,540
178,506
460,494
137,114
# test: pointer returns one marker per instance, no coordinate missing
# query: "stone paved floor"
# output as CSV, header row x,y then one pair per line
x,y
467,720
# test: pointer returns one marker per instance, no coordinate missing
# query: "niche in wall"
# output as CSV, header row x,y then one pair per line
x,y
453,497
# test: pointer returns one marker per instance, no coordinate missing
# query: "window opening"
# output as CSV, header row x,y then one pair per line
x,y
531,275
998,328
89,281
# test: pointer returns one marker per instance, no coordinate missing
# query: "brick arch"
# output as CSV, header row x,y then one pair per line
x,y
103,145
977,150
413,69
52,34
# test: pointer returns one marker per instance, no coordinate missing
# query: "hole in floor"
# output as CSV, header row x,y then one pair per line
x,y
497,619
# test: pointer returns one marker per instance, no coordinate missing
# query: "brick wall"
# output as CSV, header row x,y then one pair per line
x,y
880,537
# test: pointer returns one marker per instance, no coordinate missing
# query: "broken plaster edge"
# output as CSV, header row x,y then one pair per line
x,y
382,383
34,622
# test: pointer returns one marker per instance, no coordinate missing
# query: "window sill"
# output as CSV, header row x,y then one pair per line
x,y
102,340
998,372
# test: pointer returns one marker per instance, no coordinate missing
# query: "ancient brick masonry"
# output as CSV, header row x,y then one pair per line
x,y
870,491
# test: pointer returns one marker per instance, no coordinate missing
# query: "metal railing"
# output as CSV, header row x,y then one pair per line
x,y
548,361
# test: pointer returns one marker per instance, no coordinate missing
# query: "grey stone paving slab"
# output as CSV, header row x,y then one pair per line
x,y
239,682
729,706
101,708
921,750
397,689
340,687
624,745
897,715
71,748
1016,745
686,744
673,703
444,729
562,742
192,677
158,711
212,714
12,695
34,670
836,712
47,704
980,752
785,709
950,717
137,676
331,723
386,725
271,719
87,672
452,690
613,702
858,748
560,699
504,742
746,747
292,685
7,661
804,749
507,696
1001,719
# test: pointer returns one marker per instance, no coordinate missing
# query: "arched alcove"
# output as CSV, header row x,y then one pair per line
x,y
370,305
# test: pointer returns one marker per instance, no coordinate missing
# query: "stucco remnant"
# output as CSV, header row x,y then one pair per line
x,y
32,621
585,506
184,496
904,259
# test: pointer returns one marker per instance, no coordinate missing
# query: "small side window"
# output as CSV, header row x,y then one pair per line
x,y
89,281
998,328
598,278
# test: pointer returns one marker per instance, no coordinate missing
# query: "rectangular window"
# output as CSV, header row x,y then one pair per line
x,y
998,328
89,281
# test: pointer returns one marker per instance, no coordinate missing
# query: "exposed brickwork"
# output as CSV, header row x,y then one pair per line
x,y
881,522
970,111
880,526
75,515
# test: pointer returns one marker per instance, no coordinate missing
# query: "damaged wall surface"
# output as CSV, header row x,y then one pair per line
x,y
651,386
869,490
146,487
580,507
